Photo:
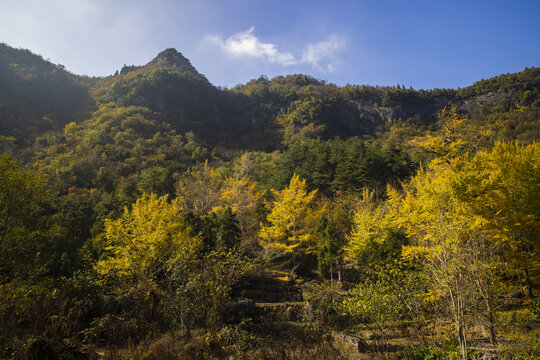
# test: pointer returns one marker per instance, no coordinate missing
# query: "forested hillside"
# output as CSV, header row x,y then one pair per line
x,y
152,215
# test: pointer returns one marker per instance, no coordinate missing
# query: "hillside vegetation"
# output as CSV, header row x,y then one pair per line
x,y
151,215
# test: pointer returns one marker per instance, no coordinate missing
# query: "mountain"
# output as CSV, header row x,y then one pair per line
x,y
168,59
38,96
149,214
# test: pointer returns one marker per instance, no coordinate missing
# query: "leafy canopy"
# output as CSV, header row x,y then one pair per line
x,y
147,239
292,218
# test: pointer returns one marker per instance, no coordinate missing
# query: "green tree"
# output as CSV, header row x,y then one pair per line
x,y
329,248
23,228
20,193
228,233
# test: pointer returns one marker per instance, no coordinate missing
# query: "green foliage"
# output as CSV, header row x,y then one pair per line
x,y
329,247
307,118
217,232
527,80
374,302
202,292
116,156
534,307
421,352
324,304
89,258
228,231
20,193
338,165
23,227
178,99
36,95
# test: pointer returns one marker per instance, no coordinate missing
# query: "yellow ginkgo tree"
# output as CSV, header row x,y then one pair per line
x,y
370,223
146,238
463,213
143,245
291,220
241,195
206,191
442,232
151,258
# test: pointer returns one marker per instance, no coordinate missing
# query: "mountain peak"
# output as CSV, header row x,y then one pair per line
x,y
168,59
172,58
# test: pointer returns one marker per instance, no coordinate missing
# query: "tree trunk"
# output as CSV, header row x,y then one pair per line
x,y
528,282
462,327
155,304
491,323
462,342
459,318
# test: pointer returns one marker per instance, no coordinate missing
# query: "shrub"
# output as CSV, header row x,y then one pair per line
x,y
420,353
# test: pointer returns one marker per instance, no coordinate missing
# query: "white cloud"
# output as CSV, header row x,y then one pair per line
x,y
323,51
246,45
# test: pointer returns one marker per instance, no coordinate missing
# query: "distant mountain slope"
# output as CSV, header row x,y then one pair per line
x,y
36,96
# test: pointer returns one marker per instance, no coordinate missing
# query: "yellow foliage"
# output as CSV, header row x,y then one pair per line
x,y
449,144
370,221
488,204
146,239
206,191
414,252
201,191
431,296
241,195
291,219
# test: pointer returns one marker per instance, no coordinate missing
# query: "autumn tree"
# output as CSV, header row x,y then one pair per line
x,y
154,257
370,225
200,190
206,191
440,229
240,195
510,202
291,221
144,244
461,214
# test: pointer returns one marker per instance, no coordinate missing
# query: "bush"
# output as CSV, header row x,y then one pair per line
x,y
523,320
534,308
323,304
420,353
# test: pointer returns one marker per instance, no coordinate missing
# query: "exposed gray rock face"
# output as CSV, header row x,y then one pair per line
x,y
372,114
488,100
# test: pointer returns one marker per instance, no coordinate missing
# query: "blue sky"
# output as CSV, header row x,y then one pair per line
x,y
424,44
